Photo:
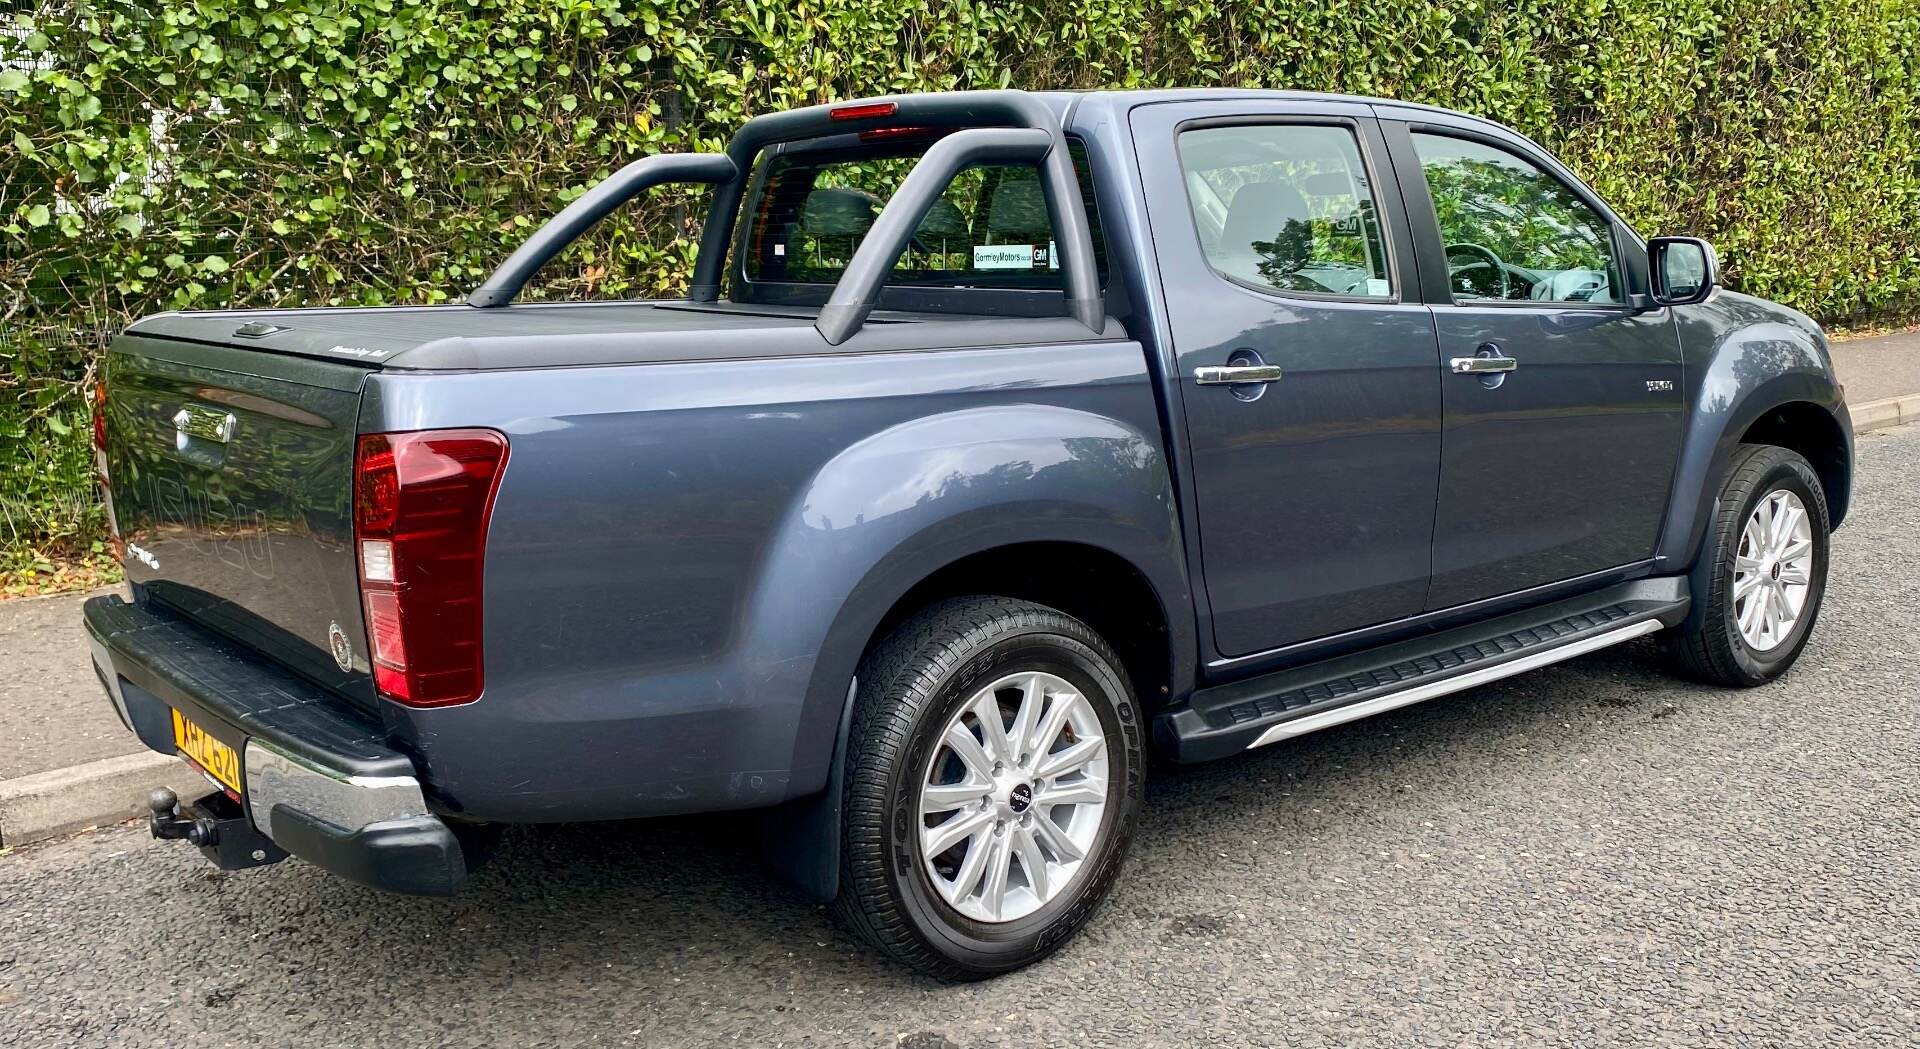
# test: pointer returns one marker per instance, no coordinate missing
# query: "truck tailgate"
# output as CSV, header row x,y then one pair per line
x,y
231,473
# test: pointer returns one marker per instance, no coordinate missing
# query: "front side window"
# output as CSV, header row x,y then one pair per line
x,y
1287,207
1513,231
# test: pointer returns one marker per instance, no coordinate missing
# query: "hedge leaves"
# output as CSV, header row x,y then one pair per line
x,y
169,154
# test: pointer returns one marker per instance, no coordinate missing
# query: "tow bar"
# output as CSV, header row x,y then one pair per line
x,y
216,825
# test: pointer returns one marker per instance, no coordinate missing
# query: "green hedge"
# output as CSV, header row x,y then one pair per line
x,y
160,154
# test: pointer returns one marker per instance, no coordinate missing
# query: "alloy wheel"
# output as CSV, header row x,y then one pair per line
x,y
1012,799
1773,570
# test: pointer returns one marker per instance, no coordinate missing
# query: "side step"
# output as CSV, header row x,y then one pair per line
x,y
1227,719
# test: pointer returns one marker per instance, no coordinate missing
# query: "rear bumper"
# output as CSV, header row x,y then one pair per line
x,y
321,781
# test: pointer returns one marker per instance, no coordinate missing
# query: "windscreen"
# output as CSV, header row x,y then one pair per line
x,y
814,206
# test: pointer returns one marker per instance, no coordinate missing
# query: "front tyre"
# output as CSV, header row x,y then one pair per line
x,y
995,765
1762,573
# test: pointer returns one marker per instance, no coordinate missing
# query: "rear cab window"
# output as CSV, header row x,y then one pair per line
x,y
813,204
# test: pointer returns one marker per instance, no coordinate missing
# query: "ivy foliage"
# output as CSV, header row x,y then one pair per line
x,y
168,154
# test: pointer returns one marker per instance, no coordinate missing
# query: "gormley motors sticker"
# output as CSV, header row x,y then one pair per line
x,y
1006,256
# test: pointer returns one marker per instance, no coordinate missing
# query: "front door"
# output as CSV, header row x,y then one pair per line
x,y
1563,402
1305,364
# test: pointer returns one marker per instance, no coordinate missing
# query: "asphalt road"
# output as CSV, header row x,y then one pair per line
x,y
56,712
1595,854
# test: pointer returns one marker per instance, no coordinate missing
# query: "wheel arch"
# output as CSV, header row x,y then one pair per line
x,y
1756,372
1101,515
1090,583
1813,432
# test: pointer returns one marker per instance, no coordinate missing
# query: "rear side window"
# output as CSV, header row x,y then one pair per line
x,y
990,229
1286,206
1513,231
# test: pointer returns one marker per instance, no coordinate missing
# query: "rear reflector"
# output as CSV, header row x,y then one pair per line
x,y
421,505
863,112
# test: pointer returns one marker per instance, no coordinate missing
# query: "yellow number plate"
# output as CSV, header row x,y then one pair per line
x,y
215,757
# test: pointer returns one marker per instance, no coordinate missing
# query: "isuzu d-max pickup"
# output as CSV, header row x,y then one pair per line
x,y
1002,441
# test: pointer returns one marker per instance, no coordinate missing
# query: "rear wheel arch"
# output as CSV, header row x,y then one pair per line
x,y
1090,583
1145,619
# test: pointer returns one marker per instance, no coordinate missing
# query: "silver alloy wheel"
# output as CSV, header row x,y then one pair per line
x,y
1011,800
1773,570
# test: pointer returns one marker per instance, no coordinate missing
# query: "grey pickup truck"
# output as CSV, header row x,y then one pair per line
x,y
1003,443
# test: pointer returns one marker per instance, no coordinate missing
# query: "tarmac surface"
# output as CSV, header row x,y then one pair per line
x,y
1594,854
55,712
1878,367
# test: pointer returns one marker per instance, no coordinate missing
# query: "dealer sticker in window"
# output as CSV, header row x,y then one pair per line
x,y
1006,256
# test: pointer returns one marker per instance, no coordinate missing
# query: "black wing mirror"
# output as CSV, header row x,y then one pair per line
x,y
1684,269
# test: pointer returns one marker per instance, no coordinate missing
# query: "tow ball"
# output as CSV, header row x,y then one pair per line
x,y
216,825
167,824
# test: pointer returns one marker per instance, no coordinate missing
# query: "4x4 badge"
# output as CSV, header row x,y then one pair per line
x,y
342,648
1659,385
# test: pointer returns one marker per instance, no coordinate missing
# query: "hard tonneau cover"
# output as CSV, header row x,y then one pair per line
x,y
546,336
375,335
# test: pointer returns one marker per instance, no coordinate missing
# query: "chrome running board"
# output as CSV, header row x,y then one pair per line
x,y
1251,712
1410,696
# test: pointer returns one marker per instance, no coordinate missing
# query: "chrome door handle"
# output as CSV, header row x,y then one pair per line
x,y
1224,375
1483,365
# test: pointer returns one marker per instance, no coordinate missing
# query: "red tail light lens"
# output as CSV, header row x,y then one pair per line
x,y
100,416
421,504
100,469
867,111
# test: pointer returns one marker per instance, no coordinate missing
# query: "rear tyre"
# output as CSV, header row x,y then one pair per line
x,y
1762,572
995,765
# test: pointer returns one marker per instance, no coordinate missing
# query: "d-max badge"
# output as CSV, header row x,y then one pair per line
x,y
342,648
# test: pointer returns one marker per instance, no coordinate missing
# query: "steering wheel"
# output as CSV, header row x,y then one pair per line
x,y
1487,259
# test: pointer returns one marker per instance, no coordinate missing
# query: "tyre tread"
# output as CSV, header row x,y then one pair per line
x,y
897,678
1704,653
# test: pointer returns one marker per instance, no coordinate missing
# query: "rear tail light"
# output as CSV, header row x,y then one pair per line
x,y
421,503
100,416
100,468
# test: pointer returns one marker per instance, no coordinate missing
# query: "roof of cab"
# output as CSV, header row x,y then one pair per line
x,y
1154,96
1060,102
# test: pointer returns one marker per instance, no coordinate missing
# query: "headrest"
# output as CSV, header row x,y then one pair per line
x,y
1019,210
839,212
1260,211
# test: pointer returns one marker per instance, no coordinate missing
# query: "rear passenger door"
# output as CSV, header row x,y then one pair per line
x,y
1558,464
1281,246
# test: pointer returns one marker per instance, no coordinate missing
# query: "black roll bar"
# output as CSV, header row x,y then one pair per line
x,y
944,109
859,288
992,125
595,204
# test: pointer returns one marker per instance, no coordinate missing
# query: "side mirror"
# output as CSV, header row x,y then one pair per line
x,y
1684,270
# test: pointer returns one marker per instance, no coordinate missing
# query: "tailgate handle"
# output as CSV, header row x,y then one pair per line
x,y
204,423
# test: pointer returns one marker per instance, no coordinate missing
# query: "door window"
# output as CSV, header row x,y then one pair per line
x,y
1286,206
1513,231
